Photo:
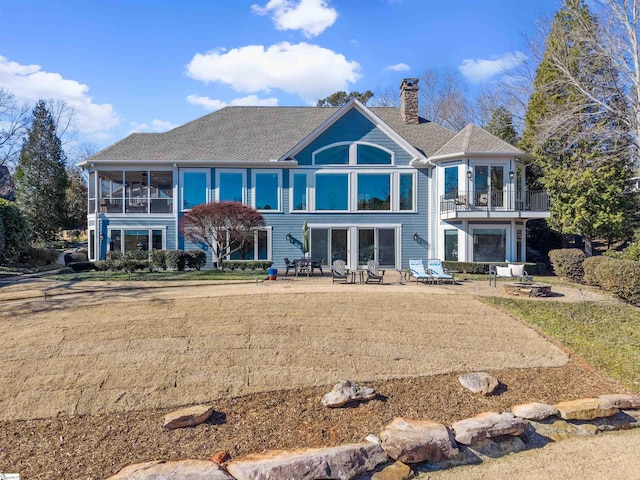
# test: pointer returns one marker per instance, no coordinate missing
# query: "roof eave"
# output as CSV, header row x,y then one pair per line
x,y
461,155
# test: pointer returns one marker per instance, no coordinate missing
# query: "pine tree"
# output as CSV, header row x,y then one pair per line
x,y
582,150
41,178
501,125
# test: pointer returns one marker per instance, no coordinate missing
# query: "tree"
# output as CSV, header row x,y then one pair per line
x,y
14,233
444,100
41,178
225,227
581,148
14,119
501,125
76,194
341,98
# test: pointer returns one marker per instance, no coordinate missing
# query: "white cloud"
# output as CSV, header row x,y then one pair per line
x,y
154,126
29,83
398,67
309,71
311,16
215,104
480,70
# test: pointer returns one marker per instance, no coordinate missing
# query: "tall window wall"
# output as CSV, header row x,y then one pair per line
x,y
132,191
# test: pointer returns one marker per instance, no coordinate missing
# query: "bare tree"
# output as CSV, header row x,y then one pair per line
x,y
444,99
14,120
387,98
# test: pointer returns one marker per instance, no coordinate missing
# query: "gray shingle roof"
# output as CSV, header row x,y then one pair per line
x,y
473,139
243,134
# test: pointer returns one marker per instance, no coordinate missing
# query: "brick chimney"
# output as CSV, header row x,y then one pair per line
x,y
409,101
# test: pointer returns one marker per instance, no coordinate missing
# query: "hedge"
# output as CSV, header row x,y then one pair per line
x,y
590,266
620,277
483,267
247,264
568,263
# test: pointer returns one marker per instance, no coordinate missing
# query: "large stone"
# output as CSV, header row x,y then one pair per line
x,y
623,401
415,441
178,470
534,411
343,462
394,471
479,452
347,391
479,382
187,417
586,409
487,425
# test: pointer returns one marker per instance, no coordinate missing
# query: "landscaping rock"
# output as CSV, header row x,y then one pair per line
x,y
623,420
479,382
183,469
395,471
586,409
622,401
220,457
371,438
479,452
534,411
555,429
415,441
187,417
487,425
347,391
343,462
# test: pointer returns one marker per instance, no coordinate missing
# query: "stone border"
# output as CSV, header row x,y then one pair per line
x,y
422,443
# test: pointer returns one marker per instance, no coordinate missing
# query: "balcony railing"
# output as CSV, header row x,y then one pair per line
x,y
504,201
136,205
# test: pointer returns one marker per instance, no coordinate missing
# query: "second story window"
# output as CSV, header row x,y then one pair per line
x,y
194,189
231,186
266,191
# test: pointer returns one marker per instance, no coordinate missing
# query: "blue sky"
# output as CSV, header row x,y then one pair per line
x,y
152,65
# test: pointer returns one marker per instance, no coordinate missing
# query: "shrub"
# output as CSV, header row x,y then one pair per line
x,y
114,261
483,267
591,266
76,256
176,260
247,264
568,263
16,233
100,266
38,257
135,260
82,266
159,259
622,278
196,259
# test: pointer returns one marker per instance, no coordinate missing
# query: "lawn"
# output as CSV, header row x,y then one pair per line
x,y
606,335
161,275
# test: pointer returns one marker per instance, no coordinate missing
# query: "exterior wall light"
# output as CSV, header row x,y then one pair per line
x,y
469,174
511,175
416,237
288,237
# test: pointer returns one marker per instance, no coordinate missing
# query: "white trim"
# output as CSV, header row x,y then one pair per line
x,y
122,229
242,171
254,184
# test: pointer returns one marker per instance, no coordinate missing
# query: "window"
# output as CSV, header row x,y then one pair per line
x,y
161,192
336,155
194,188
319,243
451,182
299,199
489,245
111,190
266,190
92,244
451,245
332,191
136,239
230,186
377,244
519,237
370,155
136,193
406,191
374,191
92,192
256,248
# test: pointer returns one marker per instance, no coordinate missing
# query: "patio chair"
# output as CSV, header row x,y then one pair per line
x,y
418,272
374,274
289,266
510,271
317,264
437,271
339,271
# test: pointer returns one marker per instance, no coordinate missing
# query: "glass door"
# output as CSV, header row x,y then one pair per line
x,y
489,186
339,245
377,244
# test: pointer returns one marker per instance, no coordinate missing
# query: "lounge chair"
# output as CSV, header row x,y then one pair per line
x,y
418,272
339,272
374,274
510,271
437,271
289,266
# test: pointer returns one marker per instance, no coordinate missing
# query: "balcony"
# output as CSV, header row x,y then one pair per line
x,y
495,204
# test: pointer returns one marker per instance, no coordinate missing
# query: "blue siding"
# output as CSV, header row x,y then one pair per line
x,y
352,127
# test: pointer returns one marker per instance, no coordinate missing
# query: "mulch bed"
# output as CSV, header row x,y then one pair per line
x,y
94,447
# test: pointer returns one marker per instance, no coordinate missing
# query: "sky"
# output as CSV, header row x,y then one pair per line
x,y
149,66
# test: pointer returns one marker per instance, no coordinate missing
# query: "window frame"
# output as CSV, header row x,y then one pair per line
x,y
254,184
124,228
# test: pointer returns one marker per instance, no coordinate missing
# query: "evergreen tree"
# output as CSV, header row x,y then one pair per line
x,y
501,125
340,98
582,150
41,178
76,195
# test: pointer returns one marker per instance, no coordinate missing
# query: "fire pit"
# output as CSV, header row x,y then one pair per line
x,y
524,289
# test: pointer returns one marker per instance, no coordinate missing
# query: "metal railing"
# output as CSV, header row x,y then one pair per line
x,y
495,200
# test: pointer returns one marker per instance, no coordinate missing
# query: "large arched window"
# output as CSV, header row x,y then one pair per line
x,y
335,155
371,155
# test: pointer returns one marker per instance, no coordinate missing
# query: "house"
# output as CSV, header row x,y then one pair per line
x,y
370,182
